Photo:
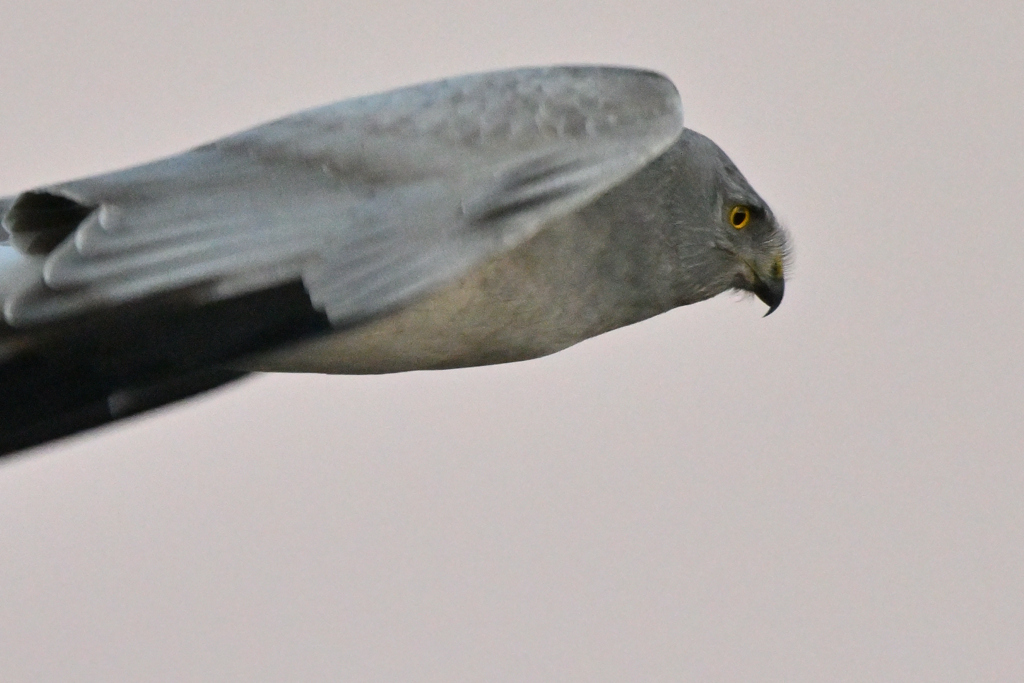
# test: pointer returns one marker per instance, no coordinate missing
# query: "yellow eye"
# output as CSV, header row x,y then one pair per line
x,y
739,217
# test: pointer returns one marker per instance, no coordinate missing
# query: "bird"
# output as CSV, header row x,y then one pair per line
x,y
481,219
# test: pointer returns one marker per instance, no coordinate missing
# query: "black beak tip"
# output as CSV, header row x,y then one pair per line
x,y
771,293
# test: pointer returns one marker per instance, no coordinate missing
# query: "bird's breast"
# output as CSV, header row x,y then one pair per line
x,y
547,294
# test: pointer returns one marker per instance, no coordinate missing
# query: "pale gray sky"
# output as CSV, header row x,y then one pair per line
x,y
834,493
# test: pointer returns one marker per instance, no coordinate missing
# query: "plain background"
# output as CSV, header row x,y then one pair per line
x,y
834,493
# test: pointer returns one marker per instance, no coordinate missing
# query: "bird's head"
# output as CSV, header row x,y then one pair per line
x,y
729,237
750,235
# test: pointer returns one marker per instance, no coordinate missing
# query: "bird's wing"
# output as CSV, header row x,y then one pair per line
x,y
369,201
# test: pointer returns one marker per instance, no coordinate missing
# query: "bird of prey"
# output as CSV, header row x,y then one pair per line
x,y
481,219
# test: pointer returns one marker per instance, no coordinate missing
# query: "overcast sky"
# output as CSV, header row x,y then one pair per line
x,y
834,493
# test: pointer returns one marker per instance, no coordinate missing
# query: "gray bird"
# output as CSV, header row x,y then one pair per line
x,y
482,219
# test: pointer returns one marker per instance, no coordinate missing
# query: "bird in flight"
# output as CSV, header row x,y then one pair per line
x,y
481,219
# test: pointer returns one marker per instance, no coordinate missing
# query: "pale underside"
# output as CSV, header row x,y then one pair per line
x,y
534,300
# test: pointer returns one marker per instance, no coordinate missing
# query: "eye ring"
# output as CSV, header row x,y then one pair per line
x,y
739,217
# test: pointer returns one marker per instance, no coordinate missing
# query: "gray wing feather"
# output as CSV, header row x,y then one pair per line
x,y
369,201
5,204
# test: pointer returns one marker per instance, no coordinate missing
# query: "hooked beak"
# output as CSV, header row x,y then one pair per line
x,y
766,281
770,291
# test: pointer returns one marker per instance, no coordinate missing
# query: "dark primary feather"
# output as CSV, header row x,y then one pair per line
x,y
38,221
88,371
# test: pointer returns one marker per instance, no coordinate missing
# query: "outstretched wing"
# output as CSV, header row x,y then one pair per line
x,y
369,201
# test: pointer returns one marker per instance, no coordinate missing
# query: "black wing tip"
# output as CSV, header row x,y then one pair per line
x,y
106,408
38,221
